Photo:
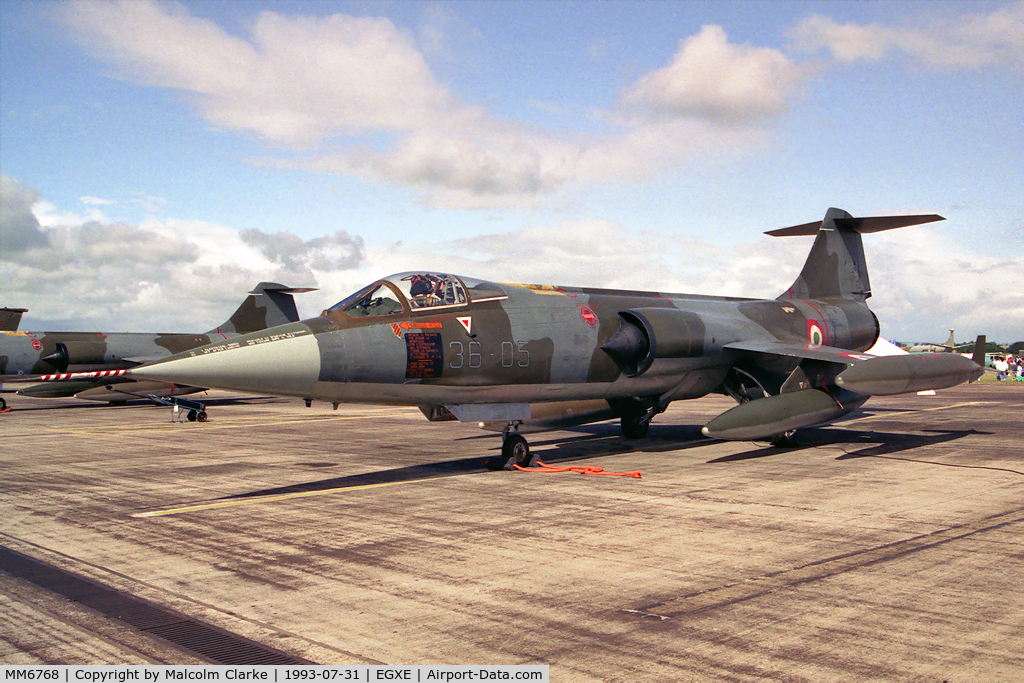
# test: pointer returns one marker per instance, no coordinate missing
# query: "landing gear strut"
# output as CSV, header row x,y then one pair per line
x,y
514,449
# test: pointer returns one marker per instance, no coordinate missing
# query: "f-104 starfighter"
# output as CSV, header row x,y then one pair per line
x,y
512,357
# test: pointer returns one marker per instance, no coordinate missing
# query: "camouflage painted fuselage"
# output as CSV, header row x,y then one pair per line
x,y
40,353
526,344
507,355
46,354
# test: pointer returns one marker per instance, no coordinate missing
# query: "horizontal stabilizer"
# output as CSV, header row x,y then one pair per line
x,y
861,225
274,287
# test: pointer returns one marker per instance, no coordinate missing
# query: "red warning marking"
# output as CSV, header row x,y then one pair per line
x,y
588,316
36,345
466,322
81,375
398,327
420,326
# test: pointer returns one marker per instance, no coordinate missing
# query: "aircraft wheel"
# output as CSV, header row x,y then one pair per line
x,y
785,440
201,416
633,427
515,447
3,404
192,416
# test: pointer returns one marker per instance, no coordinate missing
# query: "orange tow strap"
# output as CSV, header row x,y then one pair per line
x,y
542,468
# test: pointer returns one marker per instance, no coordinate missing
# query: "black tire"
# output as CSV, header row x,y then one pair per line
x,y
192,416
3,404
633,427
785,440
516,448
201,416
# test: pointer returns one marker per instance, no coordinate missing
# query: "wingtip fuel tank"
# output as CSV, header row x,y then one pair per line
x,y
908,373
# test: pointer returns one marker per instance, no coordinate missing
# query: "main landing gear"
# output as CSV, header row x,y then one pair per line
x,y
785,440
634,425
635,415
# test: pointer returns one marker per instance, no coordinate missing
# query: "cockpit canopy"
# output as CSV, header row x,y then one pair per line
x,y
416,292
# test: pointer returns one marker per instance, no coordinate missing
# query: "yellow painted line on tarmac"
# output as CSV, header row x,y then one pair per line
x,y
265,499
904,413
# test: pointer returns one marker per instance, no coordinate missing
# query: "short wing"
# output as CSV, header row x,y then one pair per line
x,y
829,354
877,375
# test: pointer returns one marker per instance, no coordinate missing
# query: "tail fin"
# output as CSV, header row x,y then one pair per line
x,y
979,351
835,268
269,304
950,345
10,318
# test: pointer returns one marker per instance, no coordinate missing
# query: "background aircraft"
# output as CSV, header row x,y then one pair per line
x,y
83,364
934,348
10,318
505,355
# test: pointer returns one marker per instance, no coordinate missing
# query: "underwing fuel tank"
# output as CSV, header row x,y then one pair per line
x,y
910,372
774,415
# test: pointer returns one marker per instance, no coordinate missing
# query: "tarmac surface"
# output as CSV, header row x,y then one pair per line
x,y
888,546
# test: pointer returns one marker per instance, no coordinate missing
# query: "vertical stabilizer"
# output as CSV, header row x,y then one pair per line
x,y
268,305
979,351
835,268
10,318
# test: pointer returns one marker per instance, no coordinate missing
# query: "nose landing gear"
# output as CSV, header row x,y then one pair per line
x,y
514,449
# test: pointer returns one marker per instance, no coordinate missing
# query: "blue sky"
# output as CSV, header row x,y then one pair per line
x,y
159,159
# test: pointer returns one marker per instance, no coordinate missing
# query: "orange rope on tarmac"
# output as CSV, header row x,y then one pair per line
x,y
542,468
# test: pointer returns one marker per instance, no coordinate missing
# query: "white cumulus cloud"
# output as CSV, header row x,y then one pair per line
x,y
356,96
969,41
162,275
711,79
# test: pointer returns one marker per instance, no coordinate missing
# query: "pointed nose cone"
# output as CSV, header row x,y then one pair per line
x,y
282,361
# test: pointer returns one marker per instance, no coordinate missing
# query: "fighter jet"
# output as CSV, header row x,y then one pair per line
x,y
84,364
507,356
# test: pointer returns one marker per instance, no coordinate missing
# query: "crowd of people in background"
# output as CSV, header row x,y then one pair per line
x,y
1008,367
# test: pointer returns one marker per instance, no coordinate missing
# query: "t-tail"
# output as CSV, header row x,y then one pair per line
x,y
835,268
268,305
